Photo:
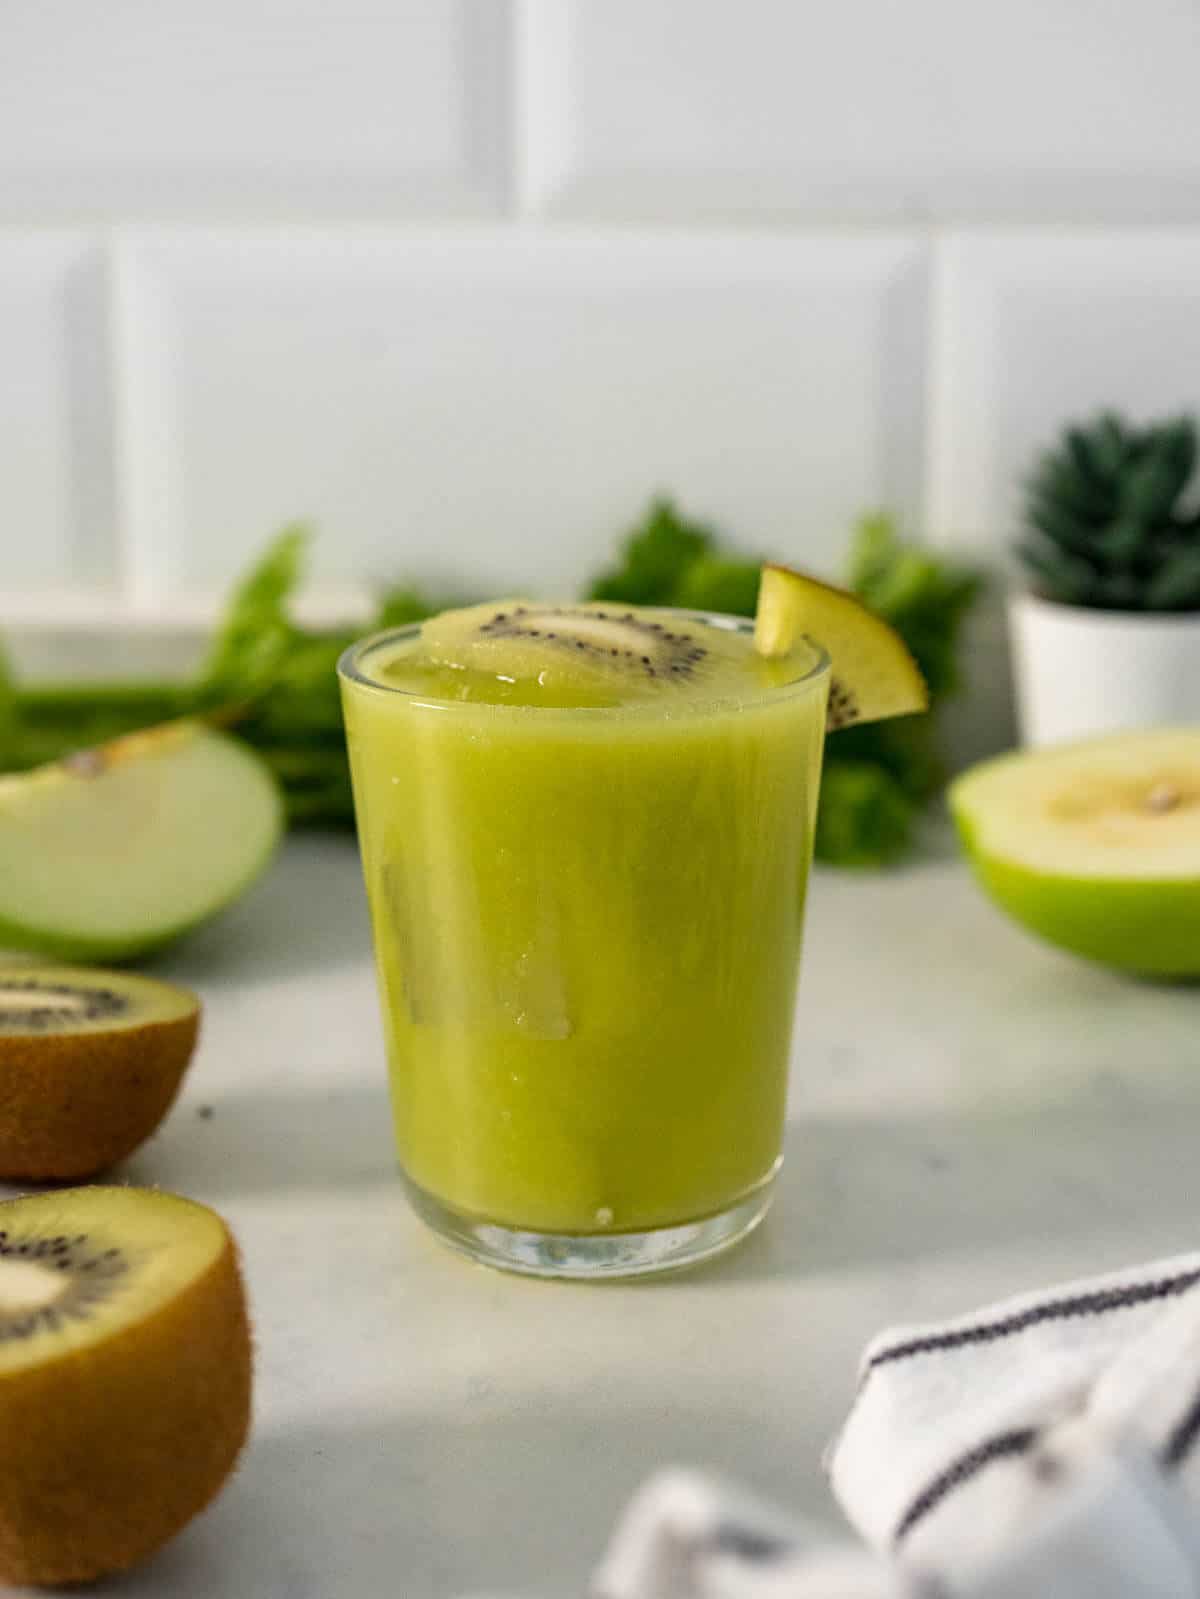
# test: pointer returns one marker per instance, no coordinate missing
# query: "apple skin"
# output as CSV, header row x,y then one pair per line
x,y
1149,927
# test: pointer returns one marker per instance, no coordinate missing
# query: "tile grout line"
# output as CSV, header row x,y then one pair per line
x,y
487,123
934,486
141,526
539,65
121,425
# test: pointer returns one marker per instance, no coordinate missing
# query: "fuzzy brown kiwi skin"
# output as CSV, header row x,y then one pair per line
x,y
73,1104
130,1440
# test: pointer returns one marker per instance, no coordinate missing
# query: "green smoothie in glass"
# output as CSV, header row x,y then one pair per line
x,y
586,833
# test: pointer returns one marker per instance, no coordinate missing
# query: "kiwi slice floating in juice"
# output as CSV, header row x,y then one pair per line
x,y
125,1377
90,1063
584,654
874,673
114,852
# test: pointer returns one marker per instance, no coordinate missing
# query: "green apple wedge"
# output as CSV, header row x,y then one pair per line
x,y
1094,846
118,850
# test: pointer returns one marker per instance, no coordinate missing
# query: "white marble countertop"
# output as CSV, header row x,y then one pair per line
x,y
971,1114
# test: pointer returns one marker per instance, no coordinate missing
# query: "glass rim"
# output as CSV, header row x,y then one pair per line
x,y
349,669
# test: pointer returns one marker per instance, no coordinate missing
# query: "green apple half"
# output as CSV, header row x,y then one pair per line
x,y
1094,846
116,851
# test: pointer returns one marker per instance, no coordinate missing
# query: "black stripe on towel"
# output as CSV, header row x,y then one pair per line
x,y
749,1543
1182,1436
1004,1446
1096,1303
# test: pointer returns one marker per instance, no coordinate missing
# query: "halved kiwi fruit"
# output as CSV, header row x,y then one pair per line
x,y
874,673
113,852
90,1063
125,1377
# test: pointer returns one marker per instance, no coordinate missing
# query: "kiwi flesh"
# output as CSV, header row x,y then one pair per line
x,y
874,673
90,1063
608,646
125,1376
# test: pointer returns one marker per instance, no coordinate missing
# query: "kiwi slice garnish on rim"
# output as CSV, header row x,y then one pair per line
x,y
90,1063
874,675
125,1376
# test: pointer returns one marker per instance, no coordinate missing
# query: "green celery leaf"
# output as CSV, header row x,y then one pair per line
x,y
864,818
925,596
8,713
402,605
256,633
714,583
653,558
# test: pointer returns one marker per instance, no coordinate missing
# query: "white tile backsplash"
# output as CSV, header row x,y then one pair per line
x,y
1040,327
251,107
496,407
466,281
57,511
933,108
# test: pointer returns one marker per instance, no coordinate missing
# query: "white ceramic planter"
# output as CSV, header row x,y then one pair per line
x,y
1080,672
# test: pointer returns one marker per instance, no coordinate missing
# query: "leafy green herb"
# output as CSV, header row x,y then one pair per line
x,y
865,817
878,777
669,560
254,641
654,558
402,605
282,680
270,679
275,681
8,712
925,596
716,583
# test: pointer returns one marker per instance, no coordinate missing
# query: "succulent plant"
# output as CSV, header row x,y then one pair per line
x,y
1107,524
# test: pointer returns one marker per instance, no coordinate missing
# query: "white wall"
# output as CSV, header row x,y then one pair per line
x,y
465,281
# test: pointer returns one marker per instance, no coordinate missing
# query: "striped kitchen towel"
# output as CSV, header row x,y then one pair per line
x,y
1044,1448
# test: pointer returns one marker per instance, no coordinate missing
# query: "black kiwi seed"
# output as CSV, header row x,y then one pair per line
x,y
47,1004
681,651
843,705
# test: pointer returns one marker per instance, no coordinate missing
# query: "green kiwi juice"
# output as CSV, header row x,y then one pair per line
x,y
586,835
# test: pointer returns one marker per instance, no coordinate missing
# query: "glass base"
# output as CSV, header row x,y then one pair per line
x,y
592,1256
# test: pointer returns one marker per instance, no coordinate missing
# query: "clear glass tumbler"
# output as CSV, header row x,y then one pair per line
x,y
587,927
